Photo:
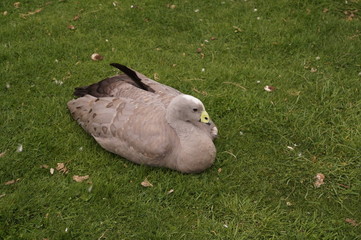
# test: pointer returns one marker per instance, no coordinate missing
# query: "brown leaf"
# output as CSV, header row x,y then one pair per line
x,y
199,50
352,222
269,88
12,181
71,27
325,10
319,180
76,18
77,178
170,191
44,166
171,6
219,170
61,168
17,4
146,183
2,154
213,38
350,14
96,57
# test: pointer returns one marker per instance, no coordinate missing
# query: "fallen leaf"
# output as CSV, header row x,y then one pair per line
x,y
352,222
170,191
71,27
146,183
77,178
2,195
319,180
76,18
52,171
237,29
199,50
5,13
313,70
213,38
155,76
61,168
96,57
44,166
350,14
325,10
269,88
17,4
2,154
19,148
171,6
12,181
219,170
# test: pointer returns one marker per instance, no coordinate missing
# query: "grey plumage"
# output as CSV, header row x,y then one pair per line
x,y
146,122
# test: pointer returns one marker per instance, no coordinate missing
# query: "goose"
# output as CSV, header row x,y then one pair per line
x,y
146,122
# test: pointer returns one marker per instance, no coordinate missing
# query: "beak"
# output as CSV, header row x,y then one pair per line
x,y
205,118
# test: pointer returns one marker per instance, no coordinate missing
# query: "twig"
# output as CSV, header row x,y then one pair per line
x,y
236,84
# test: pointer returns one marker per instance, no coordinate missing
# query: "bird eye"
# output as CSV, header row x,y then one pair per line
x,y
206,118
195,109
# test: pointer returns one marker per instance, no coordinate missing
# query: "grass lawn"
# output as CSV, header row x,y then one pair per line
x,y
271,144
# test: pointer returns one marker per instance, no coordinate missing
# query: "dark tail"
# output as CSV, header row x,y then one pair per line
x,y
130,73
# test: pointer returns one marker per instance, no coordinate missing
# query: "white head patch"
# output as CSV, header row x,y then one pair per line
x,y
193,99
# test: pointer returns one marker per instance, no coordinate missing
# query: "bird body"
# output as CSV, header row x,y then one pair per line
x,y
146,122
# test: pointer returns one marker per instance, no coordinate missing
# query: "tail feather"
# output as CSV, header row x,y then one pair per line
x,y
132,74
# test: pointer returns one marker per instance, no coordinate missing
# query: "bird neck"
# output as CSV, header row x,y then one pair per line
x,y
196,152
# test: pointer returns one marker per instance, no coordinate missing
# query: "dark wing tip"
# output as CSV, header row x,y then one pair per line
x,y
133,75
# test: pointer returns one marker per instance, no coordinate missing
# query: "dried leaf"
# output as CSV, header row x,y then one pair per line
x,y
237,29
61,168
219,170
76,18
77,178
12,181
170,191
146,183
2,154
52,171
156,76
269,88
17,4
96,57
5,13
199,50
19,148
71,27
171,6
2,195
350,14
213,38
352,222
313,70
44,166
319,180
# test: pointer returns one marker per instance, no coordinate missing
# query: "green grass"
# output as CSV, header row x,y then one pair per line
x,y
264,191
